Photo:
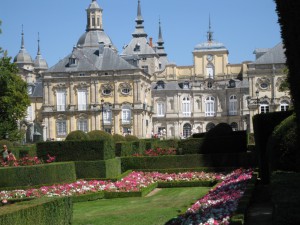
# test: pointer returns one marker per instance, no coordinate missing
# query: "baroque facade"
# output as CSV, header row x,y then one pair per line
x,y
140,92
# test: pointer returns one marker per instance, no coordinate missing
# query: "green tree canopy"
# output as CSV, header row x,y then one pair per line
x,y
14,99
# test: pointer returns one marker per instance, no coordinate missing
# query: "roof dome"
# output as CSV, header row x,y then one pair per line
x,y
23,57
92,38
40,63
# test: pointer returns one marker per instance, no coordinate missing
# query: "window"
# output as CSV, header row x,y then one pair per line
x,y
160,84
82,125
186,85
125,91
106,91
209,84
186,107
126,115
284,105
187,130
234,126
160,109
29,115
210,106
61,128
264,108
145,68
82,100
137,47
29,90
210,126
232,105
72,61
264,85
107,116
210,71
61,100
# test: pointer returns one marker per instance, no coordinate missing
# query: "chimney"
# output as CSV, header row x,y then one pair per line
x,y
150,42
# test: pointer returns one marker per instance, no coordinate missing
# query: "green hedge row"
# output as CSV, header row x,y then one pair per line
x,y
141,193
98,169
263,125
235,142
173,184
22,151
43,211
189,161
77,150
87,197
37,174
285,196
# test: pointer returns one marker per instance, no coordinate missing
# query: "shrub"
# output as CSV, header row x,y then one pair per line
x,y
77,135
40,211
138,147
118,138
7,143
222,129
166,144
37,174
123,148
190,146
282,145
129,137
77,150
99,135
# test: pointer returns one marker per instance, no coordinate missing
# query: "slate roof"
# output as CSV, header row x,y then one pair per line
x,y
37,90
272,56
92,59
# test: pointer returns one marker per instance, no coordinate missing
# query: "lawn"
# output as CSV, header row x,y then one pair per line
x,y
153,210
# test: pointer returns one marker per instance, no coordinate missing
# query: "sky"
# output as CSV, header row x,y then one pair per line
x,y
241,25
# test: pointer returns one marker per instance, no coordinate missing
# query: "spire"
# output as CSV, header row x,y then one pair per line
x,y
160,42
39,51
22,40
160,39
209,32
139,28
39,62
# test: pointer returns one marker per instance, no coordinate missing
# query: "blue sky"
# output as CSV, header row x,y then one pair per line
x,y
241,25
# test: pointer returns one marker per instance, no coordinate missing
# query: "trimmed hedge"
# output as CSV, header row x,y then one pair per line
x,y
234,143
37,174
138,147
285,197
264,125
98,169
87,197
166,144
77,150
42,211
123,148
141,193
282,146
175,184
189,161
22,151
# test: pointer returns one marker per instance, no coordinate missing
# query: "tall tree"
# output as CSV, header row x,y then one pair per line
x,y
14,99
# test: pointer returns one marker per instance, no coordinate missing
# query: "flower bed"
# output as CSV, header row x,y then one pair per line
x,y
25,161
134,182
219,204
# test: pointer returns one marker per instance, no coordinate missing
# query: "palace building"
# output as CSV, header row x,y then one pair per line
x,y
140,92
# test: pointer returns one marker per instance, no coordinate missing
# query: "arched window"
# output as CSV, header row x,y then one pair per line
x,y
126,114
160,109
186,107
234,126
210,106
264,107
284,105
233,105
210,70
210,126
187,130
